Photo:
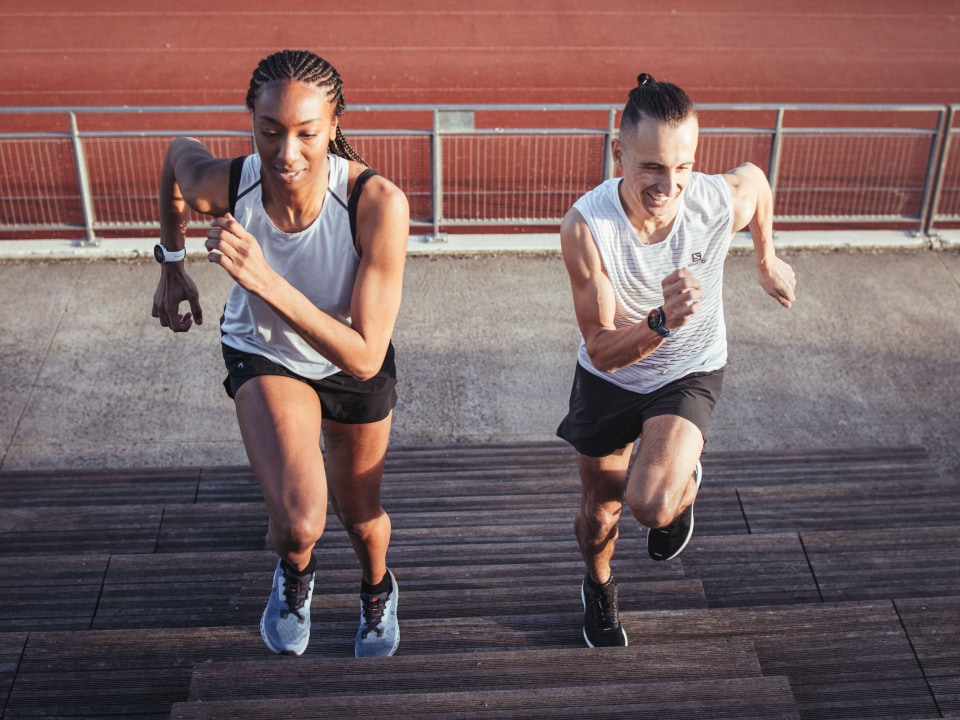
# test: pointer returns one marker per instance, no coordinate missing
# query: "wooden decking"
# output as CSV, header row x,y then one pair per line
x,y
817,585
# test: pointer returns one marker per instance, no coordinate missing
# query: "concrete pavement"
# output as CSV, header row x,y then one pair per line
x,y
868,356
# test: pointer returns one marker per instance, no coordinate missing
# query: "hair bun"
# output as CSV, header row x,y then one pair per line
x,y
644,79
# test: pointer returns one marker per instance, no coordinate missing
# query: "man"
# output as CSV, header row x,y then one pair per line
x,y
645,256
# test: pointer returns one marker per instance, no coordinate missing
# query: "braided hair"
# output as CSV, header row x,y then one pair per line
x,y
306,67
661,101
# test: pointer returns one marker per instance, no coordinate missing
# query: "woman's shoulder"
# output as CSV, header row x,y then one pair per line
x,y
376,187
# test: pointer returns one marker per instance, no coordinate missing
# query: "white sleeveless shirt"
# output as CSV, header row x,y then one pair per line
x,y
699,240
320,261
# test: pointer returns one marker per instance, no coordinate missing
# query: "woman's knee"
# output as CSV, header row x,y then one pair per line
x,y
363,523
297,532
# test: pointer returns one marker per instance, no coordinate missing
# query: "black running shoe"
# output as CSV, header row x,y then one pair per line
x,y
667,542
601,616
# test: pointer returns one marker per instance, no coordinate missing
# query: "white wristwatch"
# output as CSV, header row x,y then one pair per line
x,y
166,256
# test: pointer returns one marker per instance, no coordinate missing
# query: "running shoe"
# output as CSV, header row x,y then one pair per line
x,y
379,633
667,542
285,624
601,615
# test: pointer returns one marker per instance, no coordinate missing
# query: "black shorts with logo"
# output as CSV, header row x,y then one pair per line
x,y
604,417
342,397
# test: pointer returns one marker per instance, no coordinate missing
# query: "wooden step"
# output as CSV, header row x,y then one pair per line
x,y
481,671
933,626
843,660
536,468
212,588
766,698
720,510
155,573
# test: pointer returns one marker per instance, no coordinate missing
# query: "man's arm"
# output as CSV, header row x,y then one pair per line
x,y
753,207
594,302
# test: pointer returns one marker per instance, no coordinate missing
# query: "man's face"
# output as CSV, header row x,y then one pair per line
x,y
656,160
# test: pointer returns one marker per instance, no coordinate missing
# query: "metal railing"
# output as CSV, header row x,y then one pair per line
x,y
501,166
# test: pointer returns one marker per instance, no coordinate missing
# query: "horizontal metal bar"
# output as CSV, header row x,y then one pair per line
x,y
498,107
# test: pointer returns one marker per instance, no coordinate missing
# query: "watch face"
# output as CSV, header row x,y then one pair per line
x,y
654,319
158,253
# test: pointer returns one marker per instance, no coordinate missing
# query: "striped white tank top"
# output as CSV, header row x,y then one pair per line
x,y
699,240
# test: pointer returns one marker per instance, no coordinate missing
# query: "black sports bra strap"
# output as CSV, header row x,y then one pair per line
x,y
355,200
236,170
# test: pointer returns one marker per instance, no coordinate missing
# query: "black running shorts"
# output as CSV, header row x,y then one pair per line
x,y
604,417
342,397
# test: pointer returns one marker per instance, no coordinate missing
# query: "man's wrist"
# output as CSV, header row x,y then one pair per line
x,y
657,321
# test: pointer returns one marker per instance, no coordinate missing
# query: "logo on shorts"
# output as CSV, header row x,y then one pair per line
x,y
697,259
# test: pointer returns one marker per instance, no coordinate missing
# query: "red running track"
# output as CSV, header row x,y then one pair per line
x,y
134,52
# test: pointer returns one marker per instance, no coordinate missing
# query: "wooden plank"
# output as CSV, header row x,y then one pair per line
x,y
751,570
80,530
11,649
933,627
66,488
859,565
200,589
874,504
77,581
734,699
192,590
505,670
213,527
827,465
138,673
843,660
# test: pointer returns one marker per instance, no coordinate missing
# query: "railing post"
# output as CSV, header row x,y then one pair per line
x,y
608,166
444,121
83,181
436,176
936,167
773,171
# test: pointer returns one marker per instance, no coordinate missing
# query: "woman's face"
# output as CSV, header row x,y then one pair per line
x,y
293,123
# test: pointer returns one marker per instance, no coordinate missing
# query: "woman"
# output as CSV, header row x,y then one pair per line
x,y
316,244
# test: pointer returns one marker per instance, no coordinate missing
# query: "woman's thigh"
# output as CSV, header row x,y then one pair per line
x,y
280,424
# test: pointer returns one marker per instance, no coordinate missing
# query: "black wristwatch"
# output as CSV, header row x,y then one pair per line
x,y
656,320
166,256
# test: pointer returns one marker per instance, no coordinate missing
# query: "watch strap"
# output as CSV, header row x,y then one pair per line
x,y
168,256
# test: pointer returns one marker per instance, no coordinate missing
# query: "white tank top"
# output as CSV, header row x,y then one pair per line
x,y
699,240
320,261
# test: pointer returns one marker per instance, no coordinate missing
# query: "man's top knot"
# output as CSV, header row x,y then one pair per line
x,y
644,78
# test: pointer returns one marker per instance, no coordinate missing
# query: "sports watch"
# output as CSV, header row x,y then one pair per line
x,y
656,320
166,256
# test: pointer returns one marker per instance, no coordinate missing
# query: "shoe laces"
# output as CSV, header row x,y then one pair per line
x,y
296,589
604,604
372,606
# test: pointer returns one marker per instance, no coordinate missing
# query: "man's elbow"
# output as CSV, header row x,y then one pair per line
x,y
600,361
363,370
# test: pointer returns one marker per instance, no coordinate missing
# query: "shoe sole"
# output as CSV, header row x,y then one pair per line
x,y
583,599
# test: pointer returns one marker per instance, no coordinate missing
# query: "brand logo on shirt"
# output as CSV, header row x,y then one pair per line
x,y
697,259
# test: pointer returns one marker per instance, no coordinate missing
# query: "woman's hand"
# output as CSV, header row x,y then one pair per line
x,y
238,253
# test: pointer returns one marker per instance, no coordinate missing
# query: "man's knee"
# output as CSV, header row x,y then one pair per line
x,y
598,524
656,499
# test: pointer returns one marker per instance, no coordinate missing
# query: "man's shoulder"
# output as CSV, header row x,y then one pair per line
x,y
708,188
